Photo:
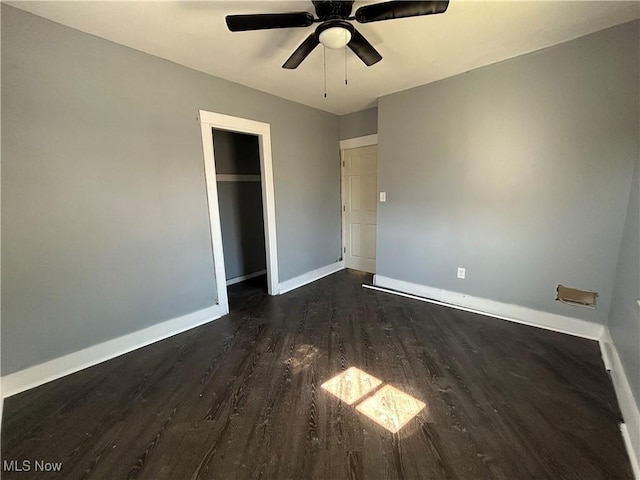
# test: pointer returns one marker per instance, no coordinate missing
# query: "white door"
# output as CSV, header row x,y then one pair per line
x,y
360,201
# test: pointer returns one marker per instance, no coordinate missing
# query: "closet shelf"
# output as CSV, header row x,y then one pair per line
x,y
226,177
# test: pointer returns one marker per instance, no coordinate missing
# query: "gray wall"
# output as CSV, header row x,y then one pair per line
x,y
624,321
104,212
240,204
519,171
359,124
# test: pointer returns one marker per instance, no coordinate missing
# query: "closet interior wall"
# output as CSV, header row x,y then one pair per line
x,y
237,158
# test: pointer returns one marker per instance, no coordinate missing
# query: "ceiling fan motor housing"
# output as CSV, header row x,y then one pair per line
x,y
329,10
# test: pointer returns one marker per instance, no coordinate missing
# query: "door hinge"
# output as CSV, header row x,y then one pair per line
x,y
343,163
344,208
344,250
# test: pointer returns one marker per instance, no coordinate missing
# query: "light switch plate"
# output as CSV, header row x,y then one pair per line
x,y
383,196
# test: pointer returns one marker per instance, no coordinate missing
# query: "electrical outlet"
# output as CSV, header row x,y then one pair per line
x,y
462,272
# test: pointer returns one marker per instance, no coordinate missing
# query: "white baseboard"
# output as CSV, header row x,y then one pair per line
x,y
632,450
242,278
309,277
59,367
630,412
491,308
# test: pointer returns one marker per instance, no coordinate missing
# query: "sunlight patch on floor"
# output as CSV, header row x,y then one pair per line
x,y
351,385
390,408
303,357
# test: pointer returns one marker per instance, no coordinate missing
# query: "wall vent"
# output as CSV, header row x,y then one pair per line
x,y
573,296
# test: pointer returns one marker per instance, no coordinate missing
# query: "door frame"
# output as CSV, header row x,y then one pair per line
x,y
209,121
357,142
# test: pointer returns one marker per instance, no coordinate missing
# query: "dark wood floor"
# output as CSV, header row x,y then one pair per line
x,y
241,398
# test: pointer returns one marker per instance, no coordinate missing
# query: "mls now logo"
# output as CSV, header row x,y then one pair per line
x,y
27,466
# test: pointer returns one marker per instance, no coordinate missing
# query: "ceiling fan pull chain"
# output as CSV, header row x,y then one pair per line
x,y
346,82
324,69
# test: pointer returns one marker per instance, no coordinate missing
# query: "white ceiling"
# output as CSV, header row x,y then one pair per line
x,y
415,51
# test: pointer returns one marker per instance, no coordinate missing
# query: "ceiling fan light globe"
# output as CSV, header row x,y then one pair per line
x,y
335,37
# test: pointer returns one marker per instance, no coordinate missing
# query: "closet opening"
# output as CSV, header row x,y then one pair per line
x,y
239,185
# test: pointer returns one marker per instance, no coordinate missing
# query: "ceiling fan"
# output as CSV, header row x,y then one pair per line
x,y
335,29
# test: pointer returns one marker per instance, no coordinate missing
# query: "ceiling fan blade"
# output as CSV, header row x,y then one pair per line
x,y
302,52
391,10
263,21
363,49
